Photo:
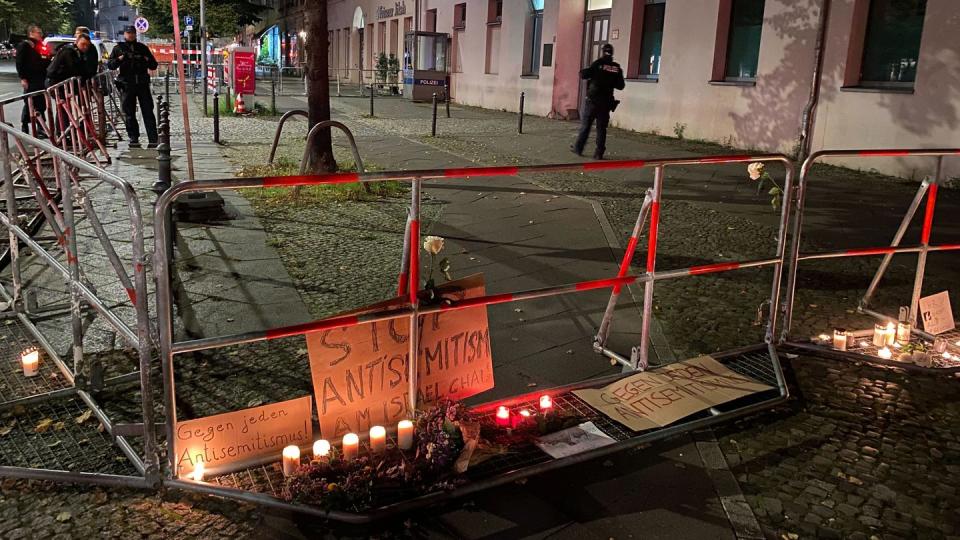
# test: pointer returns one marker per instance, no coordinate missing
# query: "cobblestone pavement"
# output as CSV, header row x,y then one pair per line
x,y
863,453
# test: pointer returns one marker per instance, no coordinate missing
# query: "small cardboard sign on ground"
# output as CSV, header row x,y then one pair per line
x,y
936,313
238,439
360,374
655,399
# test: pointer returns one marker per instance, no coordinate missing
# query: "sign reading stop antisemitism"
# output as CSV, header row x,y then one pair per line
x,y
360,374
238,439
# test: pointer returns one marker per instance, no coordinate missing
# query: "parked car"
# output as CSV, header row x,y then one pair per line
x,y
7,51
55,42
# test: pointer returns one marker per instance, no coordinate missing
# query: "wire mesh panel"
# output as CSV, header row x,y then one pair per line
x,y
14,384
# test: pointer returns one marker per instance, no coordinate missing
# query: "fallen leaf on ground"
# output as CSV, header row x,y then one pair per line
x,y
44,425
64,516
5,430
84,417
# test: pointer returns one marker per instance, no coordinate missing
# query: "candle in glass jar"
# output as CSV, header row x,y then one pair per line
x,y
546,403
321,449
405,434
291,460
840,339
879,335
903,332
939,345
885,353
351,446
891,333
378,439
30,359
503,416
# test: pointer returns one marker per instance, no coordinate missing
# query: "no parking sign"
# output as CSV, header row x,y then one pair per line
x,y
142,25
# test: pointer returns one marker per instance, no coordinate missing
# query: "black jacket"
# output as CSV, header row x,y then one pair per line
x,y
133,60
33,58
66,64
603,76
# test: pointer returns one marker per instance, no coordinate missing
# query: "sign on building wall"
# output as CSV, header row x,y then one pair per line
x,y
386,12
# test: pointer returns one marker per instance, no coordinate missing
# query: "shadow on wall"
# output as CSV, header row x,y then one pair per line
x,y
772,124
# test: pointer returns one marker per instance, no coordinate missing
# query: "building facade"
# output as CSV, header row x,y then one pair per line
x,y
737,72
111,16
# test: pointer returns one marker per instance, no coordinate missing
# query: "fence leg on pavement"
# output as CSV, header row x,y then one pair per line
x,y
273,96
640,354
520,118
925,242
433,125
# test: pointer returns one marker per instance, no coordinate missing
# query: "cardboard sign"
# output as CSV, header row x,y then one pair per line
x,y
238,439
936,313
658,398
360,374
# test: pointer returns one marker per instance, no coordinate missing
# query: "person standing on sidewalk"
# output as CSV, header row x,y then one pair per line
x,y
33,58
90,57
134,60
603,76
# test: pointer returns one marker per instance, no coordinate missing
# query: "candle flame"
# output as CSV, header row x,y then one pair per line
x,y
525,413
197,474
404,424
503,412
351,439
291,452
378,431
545,402
321,448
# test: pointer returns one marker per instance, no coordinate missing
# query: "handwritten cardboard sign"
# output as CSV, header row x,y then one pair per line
x,y
936,313
238,439
360,374
658,398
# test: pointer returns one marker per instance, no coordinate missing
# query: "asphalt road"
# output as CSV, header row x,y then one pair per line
x,y
10,88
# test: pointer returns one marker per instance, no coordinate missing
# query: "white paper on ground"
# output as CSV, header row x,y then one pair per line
x,y
575,440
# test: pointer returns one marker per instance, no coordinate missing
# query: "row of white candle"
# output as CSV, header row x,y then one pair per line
x,y
350,446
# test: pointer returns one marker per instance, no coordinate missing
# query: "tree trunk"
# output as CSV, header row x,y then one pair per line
x,y
318,88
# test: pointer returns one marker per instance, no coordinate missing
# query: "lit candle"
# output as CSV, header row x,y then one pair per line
x,y
351,446
885,353
503,416
291,460
30,359
840,339
880,335
545,403
824,338
524,414
891,333
197,474
378,439
903,332
321,449
405,434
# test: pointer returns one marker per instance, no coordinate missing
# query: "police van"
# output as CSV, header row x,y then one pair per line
x,y
54,43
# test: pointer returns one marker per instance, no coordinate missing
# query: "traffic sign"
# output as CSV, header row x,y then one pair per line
x,y
142,25
189,28
188,20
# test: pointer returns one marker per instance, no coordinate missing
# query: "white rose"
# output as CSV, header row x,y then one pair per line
x,y
755,170
433,244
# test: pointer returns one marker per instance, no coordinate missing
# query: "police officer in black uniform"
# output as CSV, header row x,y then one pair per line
x,y
603,76
134,59
33,58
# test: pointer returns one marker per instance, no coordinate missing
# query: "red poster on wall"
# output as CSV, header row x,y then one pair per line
x,y
244,72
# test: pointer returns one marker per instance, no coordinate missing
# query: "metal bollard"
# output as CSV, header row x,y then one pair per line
x,y
216,116
371,100
446,98
520,119
159,106
273,96
166,86
433,127
164,175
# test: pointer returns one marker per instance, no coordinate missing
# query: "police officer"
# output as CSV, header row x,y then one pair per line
x,y
90,57
33,58
69,61
603,76
134,59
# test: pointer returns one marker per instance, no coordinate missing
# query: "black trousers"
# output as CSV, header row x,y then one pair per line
x,y
39,104
593,111
131,95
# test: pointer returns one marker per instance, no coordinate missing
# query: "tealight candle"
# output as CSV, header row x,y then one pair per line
x,y
291,460
546,403
503,416
522,416
405,434
885,353
321,449
30,359
197,474
351,446
840,339
378,439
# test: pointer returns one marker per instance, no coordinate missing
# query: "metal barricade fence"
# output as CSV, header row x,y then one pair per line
x,y
927,189
58,180
411,309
